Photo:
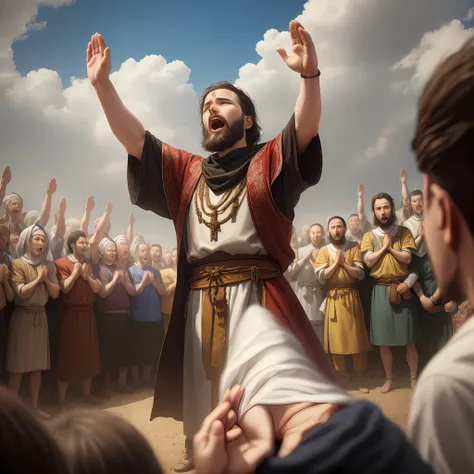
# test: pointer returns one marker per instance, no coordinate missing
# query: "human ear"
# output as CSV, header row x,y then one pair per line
x,y
248,122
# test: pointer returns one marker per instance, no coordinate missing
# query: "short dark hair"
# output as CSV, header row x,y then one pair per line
x,y
316,225
416,192
157,245
354,215
254,133
444,135
73,237
337,217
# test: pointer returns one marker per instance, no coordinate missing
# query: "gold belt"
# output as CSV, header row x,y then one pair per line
x,y
214,275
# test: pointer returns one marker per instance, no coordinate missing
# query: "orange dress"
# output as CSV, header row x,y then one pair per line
x,y
78,344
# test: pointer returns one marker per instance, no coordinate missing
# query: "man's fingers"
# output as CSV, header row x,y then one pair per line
x,y
231,419
101,42
233,434
88,52
218,414
216,436
289,443
282,53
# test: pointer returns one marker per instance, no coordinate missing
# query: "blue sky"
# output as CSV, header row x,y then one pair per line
x,y
214,41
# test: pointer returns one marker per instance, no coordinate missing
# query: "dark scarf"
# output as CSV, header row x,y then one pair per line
x,y
226,172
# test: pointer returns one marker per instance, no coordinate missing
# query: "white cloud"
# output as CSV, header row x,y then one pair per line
x,y
371,75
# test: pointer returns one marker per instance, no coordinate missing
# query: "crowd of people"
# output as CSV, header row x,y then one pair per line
x,y
240,358
79,307
371,284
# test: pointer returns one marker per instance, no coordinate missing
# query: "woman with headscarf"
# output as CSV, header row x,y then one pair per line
x,y
34,281
123,251
78,346
113,318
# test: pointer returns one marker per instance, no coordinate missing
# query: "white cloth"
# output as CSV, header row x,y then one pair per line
x,y
309,291
235,238
441,417
268,361
413,224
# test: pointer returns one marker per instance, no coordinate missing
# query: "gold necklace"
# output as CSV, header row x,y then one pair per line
x,y
230,199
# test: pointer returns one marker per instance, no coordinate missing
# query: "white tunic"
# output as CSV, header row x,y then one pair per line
x,y
238,238
268,361
308,288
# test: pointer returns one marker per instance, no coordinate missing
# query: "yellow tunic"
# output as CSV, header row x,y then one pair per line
x,y
344,328
169,277
388,268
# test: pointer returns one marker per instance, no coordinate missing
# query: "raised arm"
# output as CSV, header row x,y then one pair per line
x,y
131,227
46,209
4,180
61,221
360,202
406,204
125,126
86,217
99,233
304,61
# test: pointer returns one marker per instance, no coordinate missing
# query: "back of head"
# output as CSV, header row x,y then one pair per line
x,y
96,442
26,446
444,136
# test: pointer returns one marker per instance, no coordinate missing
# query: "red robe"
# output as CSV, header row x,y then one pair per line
x,y
180,172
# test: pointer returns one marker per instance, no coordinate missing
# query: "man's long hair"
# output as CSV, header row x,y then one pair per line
x,y
392,206
254,133
444,136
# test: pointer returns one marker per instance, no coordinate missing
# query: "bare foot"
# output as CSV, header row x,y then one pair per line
x,y
413,383
387,386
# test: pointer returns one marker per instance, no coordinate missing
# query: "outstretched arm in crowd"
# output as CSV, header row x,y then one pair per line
x,y
99,233
61,219
86,217
4,181
406,203
46,209
125,126
360,202
131,227
304,61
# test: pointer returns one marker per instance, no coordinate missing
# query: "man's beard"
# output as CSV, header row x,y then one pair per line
x,y
340,241
386,225
225,139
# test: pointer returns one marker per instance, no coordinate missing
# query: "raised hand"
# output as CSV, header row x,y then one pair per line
x,y
109,208
6,175
303,58
98,60
360,190
132,218
62,206
90,204
52,186
403,176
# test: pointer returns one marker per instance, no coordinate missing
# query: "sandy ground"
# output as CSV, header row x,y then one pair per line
x,y
165,435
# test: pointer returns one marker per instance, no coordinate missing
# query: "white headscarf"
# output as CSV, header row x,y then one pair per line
x,y
103,245
23,249
8,199
120,239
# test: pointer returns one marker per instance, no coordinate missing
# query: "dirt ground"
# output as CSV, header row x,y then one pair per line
x,y
165,435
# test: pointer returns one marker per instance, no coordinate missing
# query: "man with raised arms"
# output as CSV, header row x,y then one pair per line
x,y
233,214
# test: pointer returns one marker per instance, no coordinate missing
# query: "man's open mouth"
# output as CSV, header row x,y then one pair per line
x,y
216,123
